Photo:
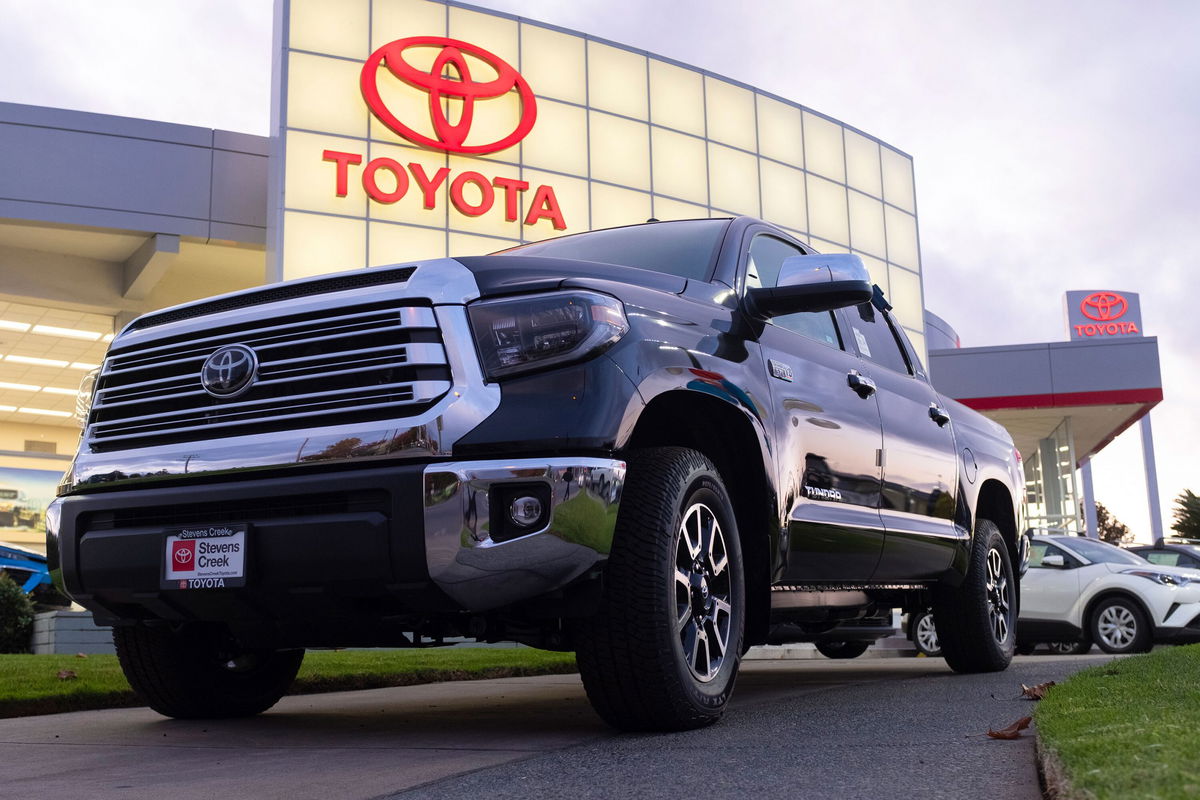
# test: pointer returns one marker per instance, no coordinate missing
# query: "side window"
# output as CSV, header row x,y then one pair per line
x,y
872,332
767,254
1165,558
1038,552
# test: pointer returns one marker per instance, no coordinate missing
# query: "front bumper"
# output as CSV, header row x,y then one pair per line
x,y
345,552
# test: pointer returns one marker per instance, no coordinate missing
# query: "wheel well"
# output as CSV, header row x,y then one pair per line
x,y
995,503
1108,595
725,436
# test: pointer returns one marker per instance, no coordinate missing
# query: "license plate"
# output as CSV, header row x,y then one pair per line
x,y
205,557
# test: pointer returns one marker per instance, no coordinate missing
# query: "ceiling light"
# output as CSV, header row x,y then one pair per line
x,y
20,387
57,390
40,362
70,333
8,325
44,412
83,365
108,337
8,408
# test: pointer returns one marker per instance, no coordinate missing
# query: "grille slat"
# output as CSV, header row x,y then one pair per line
x,y
371,362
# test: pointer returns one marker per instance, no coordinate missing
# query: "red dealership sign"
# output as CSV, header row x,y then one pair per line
x,y
386,180
440,86
1105,313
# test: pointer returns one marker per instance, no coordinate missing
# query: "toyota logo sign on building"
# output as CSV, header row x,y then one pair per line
x,y
450,78
1102,314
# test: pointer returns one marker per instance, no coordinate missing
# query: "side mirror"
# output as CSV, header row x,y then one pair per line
x,y
1054,560
813,283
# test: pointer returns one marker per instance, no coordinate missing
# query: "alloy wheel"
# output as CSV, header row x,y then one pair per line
x,y
999,596
703,592
927,634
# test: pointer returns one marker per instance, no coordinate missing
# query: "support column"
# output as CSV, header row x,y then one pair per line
x,y
1089,500
1156,526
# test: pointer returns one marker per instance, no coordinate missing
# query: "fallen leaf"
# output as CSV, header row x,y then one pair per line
x,y
1036,692
67,675
1012,731
81,655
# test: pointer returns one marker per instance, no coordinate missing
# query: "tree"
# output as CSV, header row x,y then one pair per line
x,y
1187,515
1111,529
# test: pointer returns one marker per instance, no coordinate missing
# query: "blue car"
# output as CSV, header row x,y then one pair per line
x,y
26,567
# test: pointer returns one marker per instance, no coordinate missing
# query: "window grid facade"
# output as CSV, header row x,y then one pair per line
x,y
621,136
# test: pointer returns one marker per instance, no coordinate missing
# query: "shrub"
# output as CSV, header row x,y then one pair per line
x,y
16,617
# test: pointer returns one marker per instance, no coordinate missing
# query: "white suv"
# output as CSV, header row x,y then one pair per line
x,y
1082,590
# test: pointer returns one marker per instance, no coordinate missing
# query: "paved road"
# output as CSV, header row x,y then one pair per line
x,y
893,728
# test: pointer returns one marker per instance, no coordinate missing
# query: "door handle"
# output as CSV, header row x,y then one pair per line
x,y
863,386
938,415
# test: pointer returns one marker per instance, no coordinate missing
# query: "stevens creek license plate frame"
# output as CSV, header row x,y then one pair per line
x,y
205,556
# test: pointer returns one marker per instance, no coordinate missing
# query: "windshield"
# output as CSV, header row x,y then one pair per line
x,y
1101,553
686,249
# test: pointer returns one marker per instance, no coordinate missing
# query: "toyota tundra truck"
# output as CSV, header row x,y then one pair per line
x,y
654,445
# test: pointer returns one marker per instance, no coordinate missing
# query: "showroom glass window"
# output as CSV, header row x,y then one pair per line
x,y
765,260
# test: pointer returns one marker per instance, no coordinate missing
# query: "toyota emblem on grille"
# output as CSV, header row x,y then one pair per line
x,y
229,371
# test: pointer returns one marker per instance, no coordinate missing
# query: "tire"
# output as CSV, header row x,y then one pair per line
x,y
976,621
842,649
1070,648
198,672
1118,625
1026,648
924,633
663,652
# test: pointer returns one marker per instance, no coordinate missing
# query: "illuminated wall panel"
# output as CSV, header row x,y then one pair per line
x,y
620,135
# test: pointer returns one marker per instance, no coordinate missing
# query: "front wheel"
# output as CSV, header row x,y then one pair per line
x,y
663,652
842,649
199,672
1119,626
976,621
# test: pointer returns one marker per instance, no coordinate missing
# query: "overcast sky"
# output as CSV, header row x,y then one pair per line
x,y
1054,143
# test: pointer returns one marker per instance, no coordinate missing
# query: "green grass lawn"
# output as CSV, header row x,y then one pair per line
x,y
30,684
1129,728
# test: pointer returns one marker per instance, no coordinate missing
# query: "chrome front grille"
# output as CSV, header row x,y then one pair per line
x,y
346,364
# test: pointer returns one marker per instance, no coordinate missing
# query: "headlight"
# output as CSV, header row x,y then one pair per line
x,y
522,334
1163,578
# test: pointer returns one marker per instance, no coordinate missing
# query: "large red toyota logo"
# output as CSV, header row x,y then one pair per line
x,y
441,85
1103,306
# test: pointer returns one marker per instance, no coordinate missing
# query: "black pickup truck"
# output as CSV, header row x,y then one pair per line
x,y
654,445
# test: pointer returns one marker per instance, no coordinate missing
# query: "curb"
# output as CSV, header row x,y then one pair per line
x,y
1052,775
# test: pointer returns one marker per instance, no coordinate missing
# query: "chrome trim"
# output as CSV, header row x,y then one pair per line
x,y
432,434
480,573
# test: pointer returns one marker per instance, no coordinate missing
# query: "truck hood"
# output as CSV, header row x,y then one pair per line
x,y
501,275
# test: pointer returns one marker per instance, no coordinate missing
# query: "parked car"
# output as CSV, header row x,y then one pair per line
x,y
1084,591
654,445
1171,553
26,567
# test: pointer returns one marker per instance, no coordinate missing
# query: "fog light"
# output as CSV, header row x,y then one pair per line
x,y
525,511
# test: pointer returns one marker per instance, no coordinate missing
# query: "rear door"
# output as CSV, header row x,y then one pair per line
x,y
919,464
827,438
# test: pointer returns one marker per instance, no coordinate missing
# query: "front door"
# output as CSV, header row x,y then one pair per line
x,y
826,437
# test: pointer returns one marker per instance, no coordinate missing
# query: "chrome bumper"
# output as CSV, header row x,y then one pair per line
x,y
480,573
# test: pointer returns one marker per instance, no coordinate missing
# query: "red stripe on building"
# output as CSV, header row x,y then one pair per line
x,y
1113,397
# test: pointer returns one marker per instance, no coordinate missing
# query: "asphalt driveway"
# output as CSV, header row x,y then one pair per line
x,y
885,728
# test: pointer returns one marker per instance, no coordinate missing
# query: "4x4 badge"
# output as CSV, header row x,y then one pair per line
x,y
779,370
229,371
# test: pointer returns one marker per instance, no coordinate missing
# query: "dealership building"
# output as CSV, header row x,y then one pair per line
x,y
405,130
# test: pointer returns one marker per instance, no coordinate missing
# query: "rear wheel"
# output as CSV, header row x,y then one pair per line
x,y
663,652
924,634
976,621
199,672
842,649
1119,626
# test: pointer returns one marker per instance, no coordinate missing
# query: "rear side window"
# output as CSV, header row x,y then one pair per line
x,y
1166,558
872,333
